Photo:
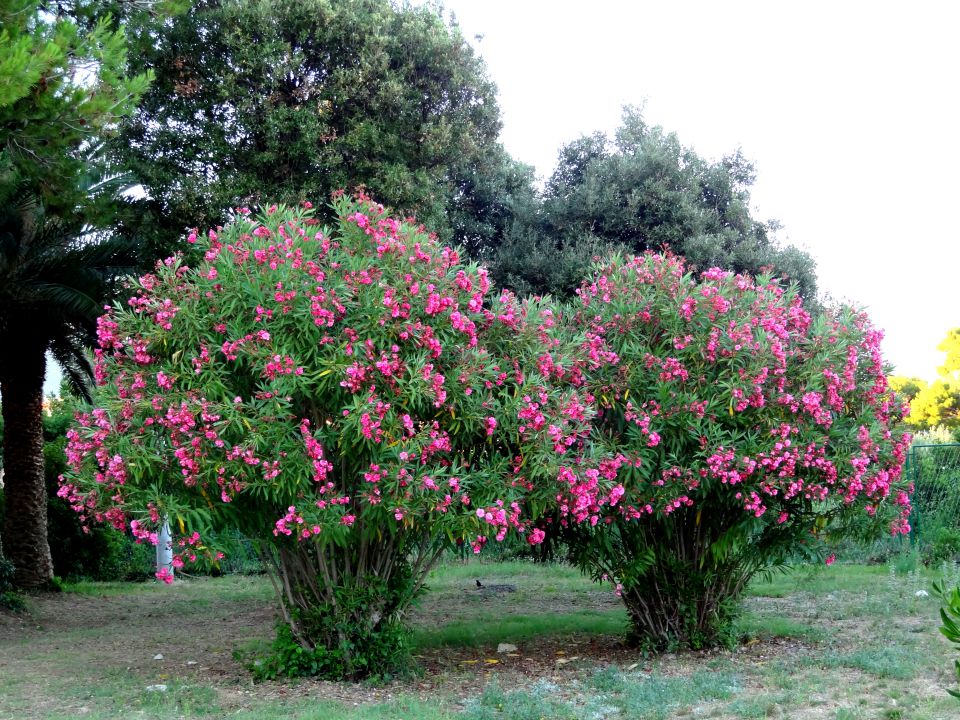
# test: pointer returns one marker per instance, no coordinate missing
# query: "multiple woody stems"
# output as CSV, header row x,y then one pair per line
x,y
339,596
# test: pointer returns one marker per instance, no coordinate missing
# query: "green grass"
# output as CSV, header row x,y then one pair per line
x,y
849,714
652,698
403,708
545,577
659,698
845,639
179,700
900,663
822,580
201,591
488,630
817,579
758,706
764,627
161,706
109,589
607,679
538,702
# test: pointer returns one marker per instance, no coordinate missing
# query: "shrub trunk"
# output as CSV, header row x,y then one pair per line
x,y
675,604
343,606
680,576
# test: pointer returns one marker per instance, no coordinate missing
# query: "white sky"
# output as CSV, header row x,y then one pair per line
x,y
850,111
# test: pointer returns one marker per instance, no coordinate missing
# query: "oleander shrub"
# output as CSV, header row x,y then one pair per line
x,y
352,400
739,432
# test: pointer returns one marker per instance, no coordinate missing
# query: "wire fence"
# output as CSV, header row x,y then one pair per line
x,y
935,472
241,556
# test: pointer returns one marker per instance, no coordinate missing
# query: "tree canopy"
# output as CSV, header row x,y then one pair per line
x,y
641,191
939,402
935,403
60,87
293,100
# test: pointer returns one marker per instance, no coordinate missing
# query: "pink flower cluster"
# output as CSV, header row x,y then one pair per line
x,y
722,357
426,399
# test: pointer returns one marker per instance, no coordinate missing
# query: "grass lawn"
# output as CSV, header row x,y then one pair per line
x,y
843,642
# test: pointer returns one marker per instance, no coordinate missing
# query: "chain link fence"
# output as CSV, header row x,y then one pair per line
x,y
935,472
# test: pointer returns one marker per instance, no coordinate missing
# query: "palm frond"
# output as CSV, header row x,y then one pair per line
x,y
20,215
59,266
102,184
69,350
71,302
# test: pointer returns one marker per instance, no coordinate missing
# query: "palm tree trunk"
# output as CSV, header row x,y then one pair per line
x,y
22,369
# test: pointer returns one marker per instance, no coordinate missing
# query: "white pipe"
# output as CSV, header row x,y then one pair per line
x,y
165,549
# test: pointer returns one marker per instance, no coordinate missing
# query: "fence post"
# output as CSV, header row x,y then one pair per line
x,y
911,465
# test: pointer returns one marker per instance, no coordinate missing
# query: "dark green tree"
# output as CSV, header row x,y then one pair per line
x,y
285,101
61,88
643,191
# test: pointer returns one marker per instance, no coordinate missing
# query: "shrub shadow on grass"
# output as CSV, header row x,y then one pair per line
x,y
752,627
488,631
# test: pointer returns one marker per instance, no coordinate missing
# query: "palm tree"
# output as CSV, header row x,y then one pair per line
x,y
56,271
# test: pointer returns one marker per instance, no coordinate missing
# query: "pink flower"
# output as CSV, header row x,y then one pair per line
x,y
830,559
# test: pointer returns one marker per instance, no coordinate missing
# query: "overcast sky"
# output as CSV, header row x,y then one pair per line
x,y
849,110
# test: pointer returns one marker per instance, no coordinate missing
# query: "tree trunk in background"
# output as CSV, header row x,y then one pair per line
x,y
22,368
